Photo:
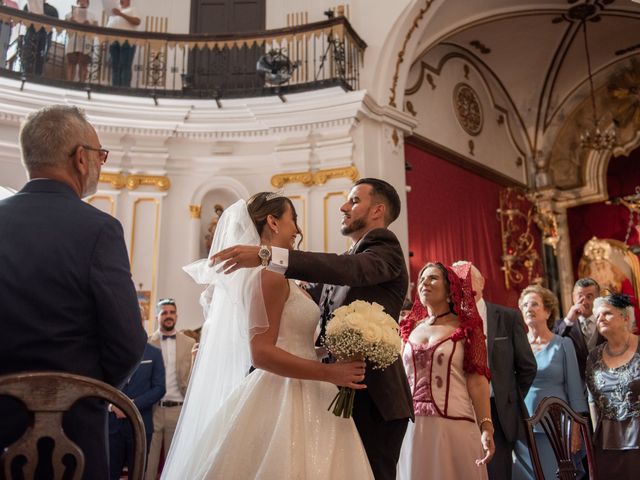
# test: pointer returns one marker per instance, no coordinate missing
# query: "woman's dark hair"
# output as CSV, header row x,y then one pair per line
x,y
263,204
445,276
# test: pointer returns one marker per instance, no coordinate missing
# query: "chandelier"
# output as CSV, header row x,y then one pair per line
x,y
594,137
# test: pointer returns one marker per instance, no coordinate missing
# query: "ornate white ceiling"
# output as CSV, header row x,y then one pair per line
x,y
535,49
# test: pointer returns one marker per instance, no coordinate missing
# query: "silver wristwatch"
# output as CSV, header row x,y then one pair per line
x,y
265,255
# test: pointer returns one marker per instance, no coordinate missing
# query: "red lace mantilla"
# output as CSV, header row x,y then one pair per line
x,y
464,306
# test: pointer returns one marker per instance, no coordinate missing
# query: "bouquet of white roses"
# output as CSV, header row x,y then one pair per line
x,y
361,331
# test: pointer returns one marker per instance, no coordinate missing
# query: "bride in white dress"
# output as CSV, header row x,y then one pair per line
x,y
272,424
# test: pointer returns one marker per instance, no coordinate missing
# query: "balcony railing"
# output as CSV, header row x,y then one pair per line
x,y
73,55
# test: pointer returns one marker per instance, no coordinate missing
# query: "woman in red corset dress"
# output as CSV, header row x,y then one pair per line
x,y
445,357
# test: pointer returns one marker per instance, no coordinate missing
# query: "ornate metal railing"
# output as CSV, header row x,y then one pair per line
x,y
74,55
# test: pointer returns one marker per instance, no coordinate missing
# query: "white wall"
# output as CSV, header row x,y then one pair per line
x,y
500,144
212,154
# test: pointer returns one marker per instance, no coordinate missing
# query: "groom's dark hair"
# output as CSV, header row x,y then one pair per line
x,y
386,194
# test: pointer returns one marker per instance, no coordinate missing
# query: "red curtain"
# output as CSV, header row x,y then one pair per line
x,y
602,220
452,216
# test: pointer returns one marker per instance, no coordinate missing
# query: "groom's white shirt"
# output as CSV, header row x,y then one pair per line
x,y
279,260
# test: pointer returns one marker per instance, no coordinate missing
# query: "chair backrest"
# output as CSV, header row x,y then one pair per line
x,y
558,421
49,395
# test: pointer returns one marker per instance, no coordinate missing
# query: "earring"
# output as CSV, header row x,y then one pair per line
x,y
277,231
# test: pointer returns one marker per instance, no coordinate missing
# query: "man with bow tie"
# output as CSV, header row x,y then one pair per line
x,y
176,352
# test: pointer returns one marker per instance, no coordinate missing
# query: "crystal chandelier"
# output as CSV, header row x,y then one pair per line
x,y
594,138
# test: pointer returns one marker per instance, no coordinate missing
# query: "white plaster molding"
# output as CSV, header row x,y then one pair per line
x,y
389,115
595,187
229,184
241,120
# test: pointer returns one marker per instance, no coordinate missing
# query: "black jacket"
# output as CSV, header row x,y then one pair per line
x,y
69,304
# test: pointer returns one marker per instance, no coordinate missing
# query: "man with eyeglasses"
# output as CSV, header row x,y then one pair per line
x,y
69,303
176,352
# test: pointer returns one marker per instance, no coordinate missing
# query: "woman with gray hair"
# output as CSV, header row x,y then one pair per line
x,y
613,380
557,376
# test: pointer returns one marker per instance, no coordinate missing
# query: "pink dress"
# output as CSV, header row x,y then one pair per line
x,y
444,441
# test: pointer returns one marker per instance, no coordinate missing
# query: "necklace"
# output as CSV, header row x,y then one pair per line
x,y
431,319
611,353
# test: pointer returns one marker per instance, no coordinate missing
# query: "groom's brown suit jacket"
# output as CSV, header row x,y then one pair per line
x,y
374,271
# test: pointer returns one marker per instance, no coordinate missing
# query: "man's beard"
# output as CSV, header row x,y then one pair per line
x,y
91,185
357,224
168,328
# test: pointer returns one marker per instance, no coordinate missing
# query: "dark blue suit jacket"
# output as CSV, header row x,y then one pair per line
x,y
145,387
68,303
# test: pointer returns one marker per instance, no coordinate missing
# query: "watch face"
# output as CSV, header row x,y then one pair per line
x,y
264,253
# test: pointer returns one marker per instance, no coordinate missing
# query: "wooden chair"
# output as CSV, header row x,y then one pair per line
x,y
558,420
48,395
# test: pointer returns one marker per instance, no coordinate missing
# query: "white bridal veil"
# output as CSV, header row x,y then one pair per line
x,y
234,311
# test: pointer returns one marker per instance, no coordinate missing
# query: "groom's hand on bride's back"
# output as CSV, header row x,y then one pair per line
x,y
232,258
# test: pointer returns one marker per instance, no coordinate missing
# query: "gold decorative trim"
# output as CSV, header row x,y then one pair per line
x,y
401,53
104,197
305,228
395,138
319,177
155,250
132,182
195,211
281,179
325,201
160,182
117,180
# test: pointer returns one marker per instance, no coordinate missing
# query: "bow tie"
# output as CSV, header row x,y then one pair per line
x,y
170,337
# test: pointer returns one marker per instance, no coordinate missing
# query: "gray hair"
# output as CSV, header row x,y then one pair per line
x,y
48,135
620,303
587,282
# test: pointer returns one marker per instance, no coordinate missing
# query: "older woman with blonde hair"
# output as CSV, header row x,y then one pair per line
x,y
558,376
613,379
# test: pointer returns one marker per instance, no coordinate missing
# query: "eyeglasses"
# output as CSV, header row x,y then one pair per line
x,y
103,152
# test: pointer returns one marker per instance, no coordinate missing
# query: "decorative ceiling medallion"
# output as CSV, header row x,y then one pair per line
x,y
468,109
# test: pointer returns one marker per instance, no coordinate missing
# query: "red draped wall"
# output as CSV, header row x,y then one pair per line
x,y
452,216
602,220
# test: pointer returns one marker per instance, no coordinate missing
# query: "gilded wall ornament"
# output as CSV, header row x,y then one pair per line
x,y
195,211
319,177
468,109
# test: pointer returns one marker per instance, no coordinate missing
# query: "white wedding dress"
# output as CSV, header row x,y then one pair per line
x,y
278,428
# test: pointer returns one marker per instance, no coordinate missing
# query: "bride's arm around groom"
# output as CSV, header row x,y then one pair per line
x,y
374,269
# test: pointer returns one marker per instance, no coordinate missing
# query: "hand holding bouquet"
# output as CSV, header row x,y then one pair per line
x,y
361,331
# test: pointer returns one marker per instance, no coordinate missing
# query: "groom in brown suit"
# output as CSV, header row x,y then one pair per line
x,y
372,270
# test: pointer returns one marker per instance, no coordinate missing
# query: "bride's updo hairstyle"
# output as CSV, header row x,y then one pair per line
x,y
263,204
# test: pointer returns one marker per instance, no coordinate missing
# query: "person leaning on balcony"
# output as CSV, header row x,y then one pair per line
x,y
121,53
77,44
5,33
